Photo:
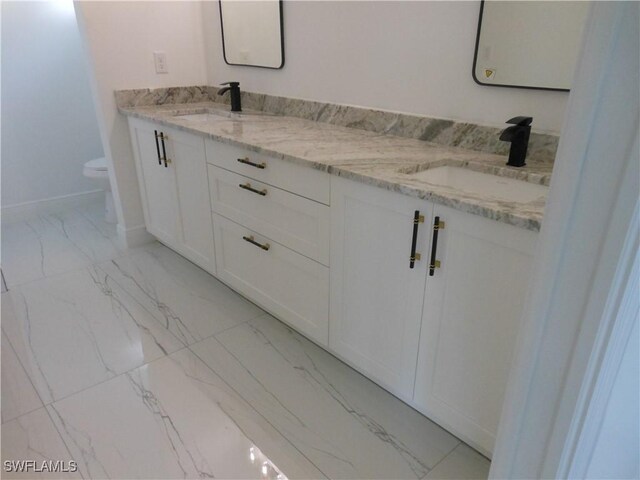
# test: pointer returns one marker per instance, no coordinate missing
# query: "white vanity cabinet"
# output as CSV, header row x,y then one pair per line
x,y
175,194
471,317
376,298
272,234
442,339
354,267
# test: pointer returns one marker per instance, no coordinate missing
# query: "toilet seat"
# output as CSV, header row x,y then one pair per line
x,y
96,168
97,164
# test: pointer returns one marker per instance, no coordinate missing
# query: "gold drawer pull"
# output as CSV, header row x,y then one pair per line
x,y
246,161
250,239
247,186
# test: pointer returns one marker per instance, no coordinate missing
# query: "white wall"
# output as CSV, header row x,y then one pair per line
x,y
583,296
49,126
120,40
413,57
616,454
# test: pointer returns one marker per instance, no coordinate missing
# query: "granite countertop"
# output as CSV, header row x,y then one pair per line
x,y
378,159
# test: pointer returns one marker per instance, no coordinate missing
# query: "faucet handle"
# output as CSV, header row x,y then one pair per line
x,y
231,84
520,121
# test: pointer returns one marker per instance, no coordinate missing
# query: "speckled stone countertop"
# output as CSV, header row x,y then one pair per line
x,y
383,160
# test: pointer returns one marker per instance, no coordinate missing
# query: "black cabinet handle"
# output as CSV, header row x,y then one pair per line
x,y
247,186
250,239
417,219
433,264
158,147
246,161
164,151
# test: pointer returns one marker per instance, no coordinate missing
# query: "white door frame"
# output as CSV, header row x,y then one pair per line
x,y
584,287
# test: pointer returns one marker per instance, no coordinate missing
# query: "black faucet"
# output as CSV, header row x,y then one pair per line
x,y
518,135
234,88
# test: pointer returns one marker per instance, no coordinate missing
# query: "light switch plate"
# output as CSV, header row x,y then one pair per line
x,y
160,60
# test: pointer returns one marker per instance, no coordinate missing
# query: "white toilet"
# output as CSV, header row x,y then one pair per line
x,y
97,169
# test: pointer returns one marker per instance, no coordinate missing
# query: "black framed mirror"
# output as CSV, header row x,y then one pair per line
x,y
532,44
252,33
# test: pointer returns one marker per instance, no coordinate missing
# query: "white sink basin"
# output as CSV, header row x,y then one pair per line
x,y
201,117
485,184
217,115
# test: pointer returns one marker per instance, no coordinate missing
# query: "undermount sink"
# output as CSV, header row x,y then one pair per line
x,y
485,184
217,115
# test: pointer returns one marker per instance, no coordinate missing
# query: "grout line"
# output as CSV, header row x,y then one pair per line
x,y
54,400
231,327
442,459
114,377
9,420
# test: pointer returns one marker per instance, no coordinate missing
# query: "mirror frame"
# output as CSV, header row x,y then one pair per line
x,y
475,59
224,52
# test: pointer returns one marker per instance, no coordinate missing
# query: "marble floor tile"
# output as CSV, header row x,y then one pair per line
x,y
172,418
30,226
95,213
346,425
18,395
75,330
85,234
34,437
188,301
463,463
36,249
100,334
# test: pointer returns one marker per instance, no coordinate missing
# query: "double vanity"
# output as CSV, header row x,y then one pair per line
x,y
406,259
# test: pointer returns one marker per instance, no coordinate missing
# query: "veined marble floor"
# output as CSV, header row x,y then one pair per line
x,y
138,364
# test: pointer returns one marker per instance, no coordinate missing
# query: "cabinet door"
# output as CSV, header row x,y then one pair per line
x,y
157,183
376,299
471,318
186,152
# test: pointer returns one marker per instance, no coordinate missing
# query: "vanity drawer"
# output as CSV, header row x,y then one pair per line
x,y
289,285
300,180
296,222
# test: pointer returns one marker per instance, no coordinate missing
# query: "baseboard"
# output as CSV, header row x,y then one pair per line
x,y
29,209
134,236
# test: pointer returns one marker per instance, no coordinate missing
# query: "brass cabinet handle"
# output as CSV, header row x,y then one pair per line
x,y
246,161
433,264
247,186
250,239
417,219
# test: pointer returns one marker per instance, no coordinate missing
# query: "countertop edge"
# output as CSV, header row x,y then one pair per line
x,y
530,221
